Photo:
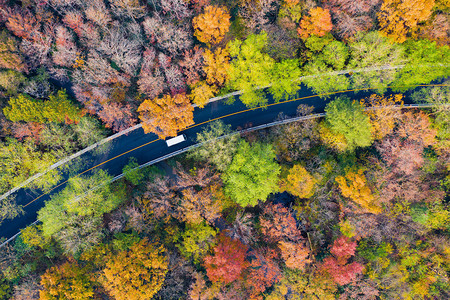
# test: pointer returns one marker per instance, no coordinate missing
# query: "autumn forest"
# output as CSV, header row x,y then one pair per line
x,y
351,205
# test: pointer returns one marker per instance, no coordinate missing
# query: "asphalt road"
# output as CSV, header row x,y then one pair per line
x,y
237,114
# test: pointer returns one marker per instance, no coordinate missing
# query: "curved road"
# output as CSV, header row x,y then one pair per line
x,y
147,147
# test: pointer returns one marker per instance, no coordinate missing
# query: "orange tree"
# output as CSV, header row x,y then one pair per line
x,y
167,115
211,26
318,22
136,273
397,18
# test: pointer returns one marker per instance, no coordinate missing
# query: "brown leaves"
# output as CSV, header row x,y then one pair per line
x,y
277,223
295,255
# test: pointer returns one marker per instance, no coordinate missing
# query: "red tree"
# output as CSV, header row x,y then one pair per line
x,y
336,266
228,261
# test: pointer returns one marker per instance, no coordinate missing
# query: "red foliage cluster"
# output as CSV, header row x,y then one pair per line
x,y
228,261
336,266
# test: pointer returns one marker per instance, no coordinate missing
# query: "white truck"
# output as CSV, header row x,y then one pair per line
x,y
176,140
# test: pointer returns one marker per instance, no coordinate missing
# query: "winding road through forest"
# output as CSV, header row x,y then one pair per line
x,y
148,147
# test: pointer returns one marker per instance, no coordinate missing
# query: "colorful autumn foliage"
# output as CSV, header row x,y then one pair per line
x,y
299,182
399,18
354,186
67,281
211,26
337,266
137,273
383,113
318,22
228,261
57,109
167,115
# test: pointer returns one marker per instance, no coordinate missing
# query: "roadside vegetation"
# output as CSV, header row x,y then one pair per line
x,y
352,206
298,211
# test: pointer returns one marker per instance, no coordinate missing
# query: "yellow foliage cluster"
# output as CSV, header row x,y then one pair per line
x,y
216,66
137,273
298,182
211,26
397,18
382,113
201,93
167,115
332,139
354,186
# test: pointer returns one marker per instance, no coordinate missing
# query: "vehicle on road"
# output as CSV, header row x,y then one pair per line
x,y
176,140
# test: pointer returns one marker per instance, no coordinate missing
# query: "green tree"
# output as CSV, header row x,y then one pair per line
x,y
89,131
132,174
347,117
9,209
216,150
426,62
19,161
57,109
327,56
252,174
374,50
197,239
74,216
285,75
5,288
250,68
33,236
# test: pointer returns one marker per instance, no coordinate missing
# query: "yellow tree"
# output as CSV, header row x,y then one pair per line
x,y
397,18
67,281
382,113
354,186
212,25
318,23
216,66
201,93
332,139
298,182
167,115
137,273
